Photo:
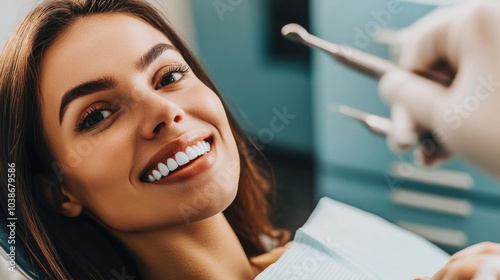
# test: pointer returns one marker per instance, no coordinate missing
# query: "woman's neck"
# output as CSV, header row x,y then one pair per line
x,y
208,249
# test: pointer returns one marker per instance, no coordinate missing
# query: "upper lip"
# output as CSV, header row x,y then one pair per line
x,y
169,149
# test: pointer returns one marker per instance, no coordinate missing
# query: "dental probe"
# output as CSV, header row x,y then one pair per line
x,y
376,124
381,126
368,64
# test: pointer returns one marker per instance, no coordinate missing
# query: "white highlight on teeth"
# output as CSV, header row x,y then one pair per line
x,y
163,169
197,150
201,147
181,158
172,164
191,153
157,174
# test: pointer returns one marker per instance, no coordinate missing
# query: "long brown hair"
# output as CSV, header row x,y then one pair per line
x,y
22,142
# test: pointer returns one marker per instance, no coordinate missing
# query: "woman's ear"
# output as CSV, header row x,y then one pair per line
x,y
58,197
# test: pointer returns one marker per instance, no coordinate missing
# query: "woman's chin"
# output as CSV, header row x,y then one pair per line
x,y
205,204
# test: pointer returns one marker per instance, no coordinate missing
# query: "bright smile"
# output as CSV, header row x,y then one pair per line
x,y
176,163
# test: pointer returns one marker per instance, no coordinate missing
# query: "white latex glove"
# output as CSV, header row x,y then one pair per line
x,y
465,116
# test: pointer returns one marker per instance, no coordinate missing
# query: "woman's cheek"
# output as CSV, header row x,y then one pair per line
x,y
96,164
207,105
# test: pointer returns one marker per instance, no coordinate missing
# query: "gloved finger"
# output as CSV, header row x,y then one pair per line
x,y
416,94
402,135
423,44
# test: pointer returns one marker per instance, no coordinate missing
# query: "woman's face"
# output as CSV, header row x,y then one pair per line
x,y
120,107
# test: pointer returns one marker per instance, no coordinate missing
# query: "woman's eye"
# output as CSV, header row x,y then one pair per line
x,y
173,74
169,78
98,117
94,117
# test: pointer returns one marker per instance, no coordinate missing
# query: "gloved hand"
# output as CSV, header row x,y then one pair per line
x,y
477,262
465,116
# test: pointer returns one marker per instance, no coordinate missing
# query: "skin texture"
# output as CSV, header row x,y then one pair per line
x,y
104,164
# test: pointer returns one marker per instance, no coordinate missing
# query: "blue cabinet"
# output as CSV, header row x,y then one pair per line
x,y
454,206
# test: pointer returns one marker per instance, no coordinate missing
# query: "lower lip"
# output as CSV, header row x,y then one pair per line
x,y
193,168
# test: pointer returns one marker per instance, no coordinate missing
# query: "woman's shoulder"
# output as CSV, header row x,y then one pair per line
x,y
261,262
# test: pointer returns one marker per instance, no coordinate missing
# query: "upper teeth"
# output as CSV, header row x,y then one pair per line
x,y
163,168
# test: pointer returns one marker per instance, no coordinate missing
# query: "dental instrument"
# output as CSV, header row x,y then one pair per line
x,y
368,64
381,126
372,66
377,124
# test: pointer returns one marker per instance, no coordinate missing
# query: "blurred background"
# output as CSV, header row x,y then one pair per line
x,y
280,92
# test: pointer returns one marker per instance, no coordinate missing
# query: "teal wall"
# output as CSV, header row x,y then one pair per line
x,y
233,47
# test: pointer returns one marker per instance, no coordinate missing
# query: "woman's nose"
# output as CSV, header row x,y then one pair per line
x,y
159,116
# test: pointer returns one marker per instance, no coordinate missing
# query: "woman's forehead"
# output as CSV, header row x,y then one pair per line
x,y
94,45
101,36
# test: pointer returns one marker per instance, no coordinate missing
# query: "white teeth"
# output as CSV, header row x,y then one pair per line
x,y
191,153
163,169
151,178
198,151
201,147
181,158
157,174
172,164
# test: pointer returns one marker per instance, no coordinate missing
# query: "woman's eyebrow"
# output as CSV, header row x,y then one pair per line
x,y
87,88
107,83
153,54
